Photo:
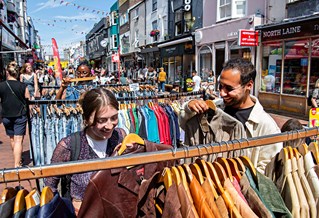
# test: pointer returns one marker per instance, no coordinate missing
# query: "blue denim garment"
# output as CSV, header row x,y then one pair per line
x,y
50,144
57,207
145,119
35,140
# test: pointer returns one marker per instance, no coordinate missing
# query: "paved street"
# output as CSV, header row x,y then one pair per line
x,y
6,157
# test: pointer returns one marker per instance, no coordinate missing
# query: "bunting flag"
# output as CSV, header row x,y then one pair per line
x,y
79,7
56,57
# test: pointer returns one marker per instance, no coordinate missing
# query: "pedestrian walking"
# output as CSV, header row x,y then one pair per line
x,y
13,94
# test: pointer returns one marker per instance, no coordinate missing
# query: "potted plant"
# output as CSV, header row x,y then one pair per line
x,y
154,33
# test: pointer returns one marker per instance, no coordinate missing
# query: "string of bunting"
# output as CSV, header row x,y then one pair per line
x,y
54,25
79,7
67,20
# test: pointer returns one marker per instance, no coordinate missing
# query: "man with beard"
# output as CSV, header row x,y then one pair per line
x,y
235,85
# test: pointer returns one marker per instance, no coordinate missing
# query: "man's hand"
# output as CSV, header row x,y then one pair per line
x,y
198,106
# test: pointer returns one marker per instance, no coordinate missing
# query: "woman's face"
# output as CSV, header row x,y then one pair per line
x,y
28,68
105,121
83,71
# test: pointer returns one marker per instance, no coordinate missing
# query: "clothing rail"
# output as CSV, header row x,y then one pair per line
x,y
183,94
159,96
27,173
104,85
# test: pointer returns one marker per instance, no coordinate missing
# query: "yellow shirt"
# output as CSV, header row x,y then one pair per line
x,y
162,76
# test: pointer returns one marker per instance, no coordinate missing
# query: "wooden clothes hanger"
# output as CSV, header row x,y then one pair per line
x,y
313,147
130,139
32,199
46,196
234,168
247,162
7,194
303,149
224,163
211,104
220,172
166,178
19,202
204,169
176,175
82,79
196,171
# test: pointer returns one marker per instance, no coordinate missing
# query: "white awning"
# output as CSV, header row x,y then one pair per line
x,y
178,41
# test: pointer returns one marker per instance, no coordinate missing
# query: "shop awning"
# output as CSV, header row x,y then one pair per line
x,y
178,41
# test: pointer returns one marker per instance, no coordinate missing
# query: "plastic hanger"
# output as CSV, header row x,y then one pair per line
x,y
211,104
196,171
19,202
313,147
130,139
7,194
224,163
303,149
32,199
46,196
202,164
166,178
175,175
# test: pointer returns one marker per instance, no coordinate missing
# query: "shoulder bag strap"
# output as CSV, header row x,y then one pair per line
x,y
14,94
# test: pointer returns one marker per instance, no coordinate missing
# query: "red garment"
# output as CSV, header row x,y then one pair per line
x,y
159,124
132,119
167,133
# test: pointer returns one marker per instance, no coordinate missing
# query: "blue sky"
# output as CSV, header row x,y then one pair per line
x,y
66,21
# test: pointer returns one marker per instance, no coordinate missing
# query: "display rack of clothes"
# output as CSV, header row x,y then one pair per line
x,y
52,120
225,187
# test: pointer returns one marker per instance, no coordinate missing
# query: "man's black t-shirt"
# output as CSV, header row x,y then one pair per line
x,y
11,105
240,114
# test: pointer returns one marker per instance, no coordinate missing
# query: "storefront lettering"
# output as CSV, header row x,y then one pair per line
x,y
272,33
291,30
169,50
187,6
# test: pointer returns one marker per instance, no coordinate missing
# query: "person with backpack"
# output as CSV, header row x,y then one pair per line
x,y
97,140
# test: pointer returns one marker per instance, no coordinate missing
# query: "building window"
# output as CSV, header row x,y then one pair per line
x,y
291,1
231,9
123,19
224,9
154,25
114,41
154,5
136,42
114,17
178,22
136,12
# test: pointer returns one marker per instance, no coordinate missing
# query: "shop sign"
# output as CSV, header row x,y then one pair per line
x,y
115,58
291,29
248,38
134,87
187,6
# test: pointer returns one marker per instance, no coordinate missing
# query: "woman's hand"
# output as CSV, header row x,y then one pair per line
x,y
65,82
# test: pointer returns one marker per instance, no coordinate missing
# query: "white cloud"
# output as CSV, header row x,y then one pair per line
x,y
47,5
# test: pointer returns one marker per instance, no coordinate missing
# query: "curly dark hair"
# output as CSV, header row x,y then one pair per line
x,y
245,67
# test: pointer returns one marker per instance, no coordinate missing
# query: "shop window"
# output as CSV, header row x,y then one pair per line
x,y
271,67
114,40
314,64
230,9
295,67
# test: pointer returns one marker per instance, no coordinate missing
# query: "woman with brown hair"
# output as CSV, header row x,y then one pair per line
x,y
13,96
28,77
97,140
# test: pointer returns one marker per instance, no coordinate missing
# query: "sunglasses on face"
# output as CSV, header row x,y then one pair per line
x,y
227,88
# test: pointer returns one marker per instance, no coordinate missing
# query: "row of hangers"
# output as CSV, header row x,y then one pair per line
x,y
25,199
54,109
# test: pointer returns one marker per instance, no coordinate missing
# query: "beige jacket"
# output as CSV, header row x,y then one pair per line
x,y
259,123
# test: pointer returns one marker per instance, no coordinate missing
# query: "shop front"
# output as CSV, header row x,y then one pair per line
x,y
219,43
178,59
289,64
